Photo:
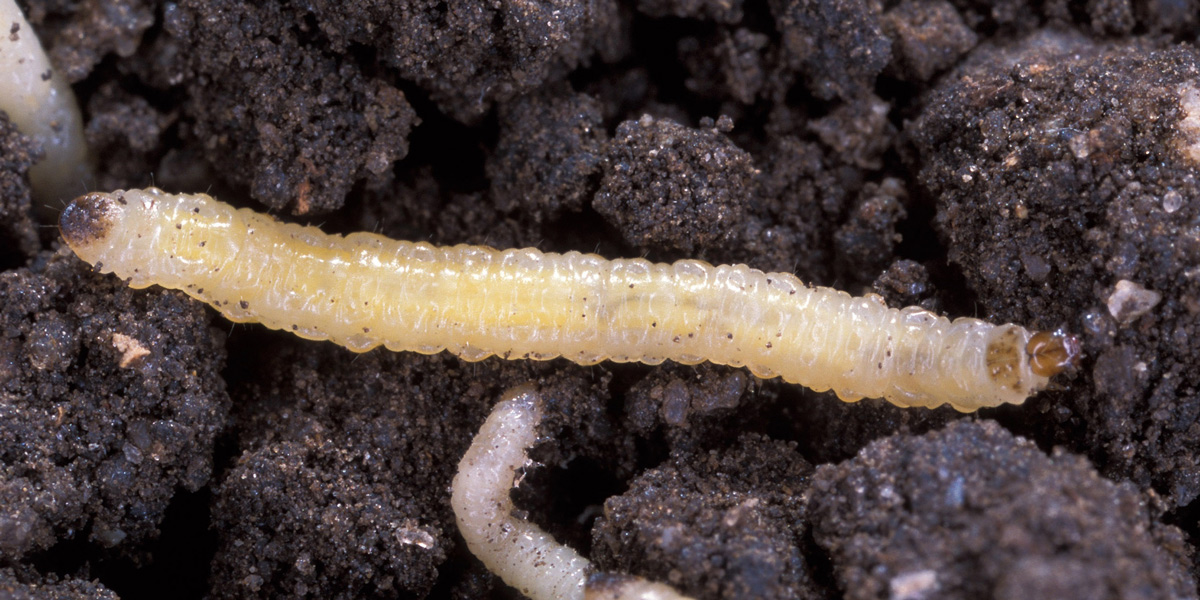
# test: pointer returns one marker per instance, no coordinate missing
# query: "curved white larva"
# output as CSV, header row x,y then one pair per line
x,y
518,551
364,290
40,102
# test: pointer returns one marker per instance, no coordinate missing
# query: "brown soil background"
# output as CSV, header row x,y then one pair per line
x,y
1007,160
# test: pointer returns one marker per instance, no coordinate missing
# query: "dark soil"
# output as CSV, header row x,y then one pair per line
x,y
1033,162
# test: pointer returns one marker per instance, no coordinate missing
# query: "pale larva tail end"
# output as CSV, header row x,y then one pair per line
x,y
87,221
1020,363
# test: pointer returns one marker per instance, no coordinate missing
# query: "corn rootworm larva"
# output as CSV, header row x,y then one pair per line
x,y
517,550
364,290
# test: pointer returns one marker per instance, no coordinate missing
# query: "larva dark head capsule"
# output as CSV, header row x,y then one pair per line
x,y
87,221
1050,353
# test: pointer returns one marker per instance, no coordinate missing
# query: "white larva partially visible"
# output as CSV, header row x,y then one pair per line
x,y
40,102
521,553
364,290
518,551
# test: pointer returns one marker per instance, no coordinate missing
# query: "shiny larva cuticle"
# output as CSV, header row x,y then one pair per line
x,y
363,290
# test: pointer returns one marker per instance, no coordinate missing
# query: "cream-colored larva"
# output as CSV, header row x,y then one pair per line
x,y
364,290
518,551
40,102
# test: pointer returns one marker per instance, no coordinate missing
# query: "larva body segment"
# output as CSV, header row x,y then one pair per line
x,y
364,290
520,552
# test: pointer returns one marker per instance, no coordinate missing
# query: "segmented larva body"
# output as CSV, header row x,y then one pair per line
x,y
520,552
524,555
364,290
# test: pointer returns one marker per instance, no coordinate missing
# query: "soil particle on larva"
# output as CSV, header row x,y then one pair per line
x,y
91,450
1056,164
972,512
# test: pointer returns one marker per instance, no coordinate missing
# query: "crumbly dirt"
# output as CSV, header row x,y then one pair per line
x,y
381,433
548,154
1060,168
1033,162
311,122
27,584
728,523
673,188
972,512
18,232
112,400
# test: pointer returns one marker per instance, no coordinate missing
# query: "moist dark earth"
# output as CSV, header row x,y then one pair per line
x,y
1032,162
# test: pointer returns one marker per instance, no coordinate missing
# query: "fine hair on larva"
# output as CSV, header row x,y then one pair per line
x,y
518,551
364,290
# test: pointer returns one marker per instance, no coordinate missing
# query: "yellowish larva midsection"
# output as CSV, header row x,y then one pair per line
x,y
364,290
